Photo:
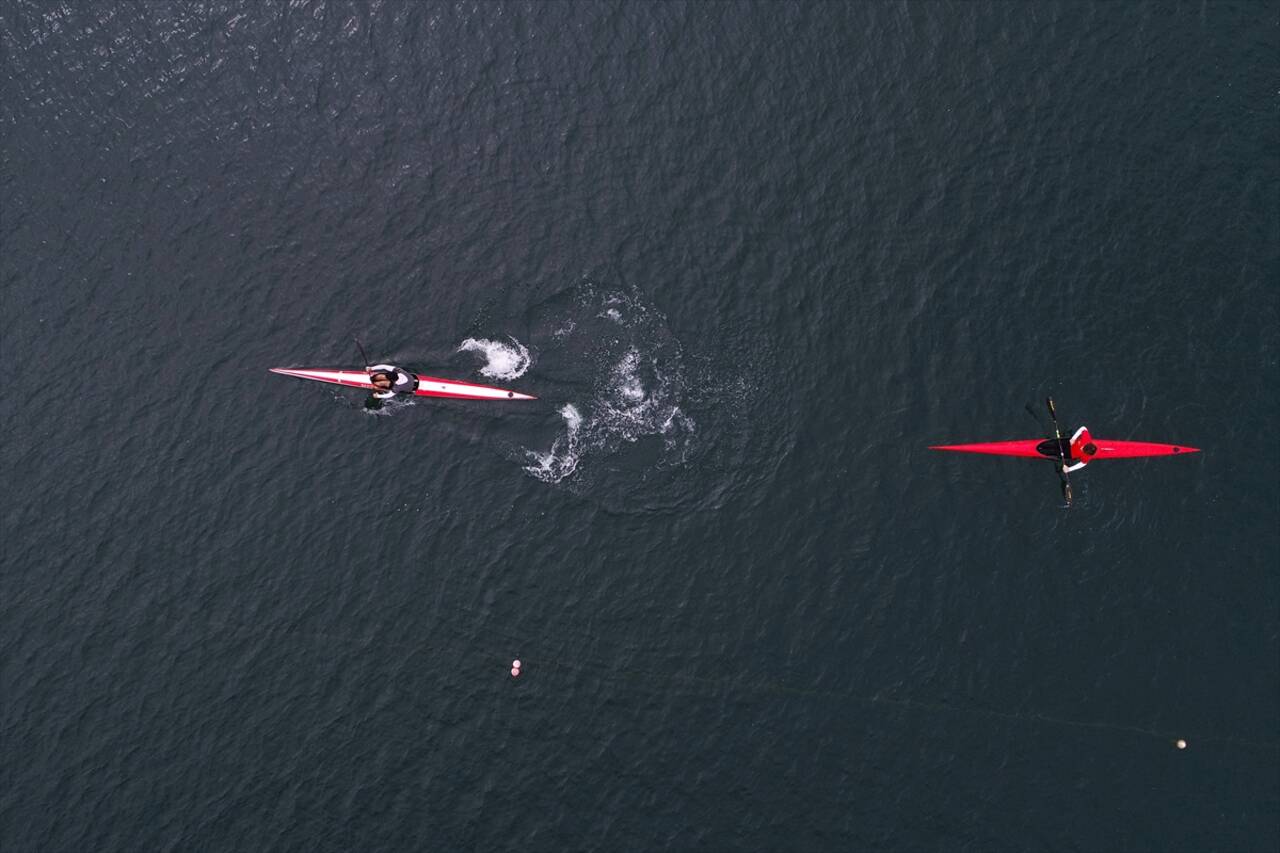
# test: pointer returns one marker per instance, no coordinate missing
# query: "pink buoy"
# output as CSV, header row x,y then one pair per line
x,y
515,671
516,663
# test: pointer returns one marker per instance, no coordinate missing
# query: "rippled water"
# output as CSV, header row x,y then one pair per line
x,y
752,259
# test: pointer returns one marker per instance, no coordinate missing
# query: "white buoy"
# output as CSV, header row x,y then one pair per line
x,y
1181,744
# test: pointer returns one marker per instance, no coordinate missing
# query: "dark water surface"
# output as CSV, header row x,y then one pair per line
x,y
759,257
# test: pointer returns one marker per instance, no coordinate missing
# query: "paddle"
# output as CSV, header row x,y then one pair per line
x,y
1062,472
372,402
362,354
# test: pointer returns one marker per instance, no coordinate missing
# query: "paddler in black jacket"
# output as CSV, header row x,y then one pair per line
x,y
389,380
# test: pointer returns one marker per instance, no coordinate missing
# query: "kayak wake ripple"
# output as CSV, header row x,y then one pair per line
x,y
637,385
562,459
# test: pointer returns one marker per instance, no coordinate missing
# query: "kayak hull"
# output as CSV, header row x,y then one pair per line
x,y
1034,448
428,386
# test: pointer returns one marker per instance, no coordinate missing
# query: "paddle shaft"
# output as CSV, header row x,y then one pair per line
x,y
1066,480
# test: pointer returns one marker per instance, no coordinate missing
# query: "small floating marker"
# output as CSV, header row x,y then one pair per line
x,y
1180,743
516,663
515,672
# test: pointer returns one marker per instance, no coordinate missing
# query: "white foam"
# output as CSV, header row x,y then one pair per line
x,y
389,407
572,417
502,360
626,378
639,386
562,459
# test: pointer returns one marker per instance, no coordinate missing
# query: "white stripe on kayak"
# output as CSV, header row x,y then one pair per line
x,y
428,385
340,377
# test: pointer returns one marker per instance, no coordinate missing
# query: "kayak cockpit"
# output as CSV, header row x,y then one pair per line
x,y
1054,448
1079,447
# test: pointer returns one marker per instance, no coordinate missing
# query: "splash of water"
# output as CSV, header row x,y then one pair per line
x,y
637,385
503,359
562,459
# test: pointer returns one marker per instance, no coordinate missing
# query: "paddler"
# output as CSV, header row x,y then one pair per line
x,y
1082,448
389,380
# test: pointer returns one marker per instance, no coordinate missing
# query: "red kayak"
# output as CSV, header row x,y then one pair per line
x,y
1080,448
427,386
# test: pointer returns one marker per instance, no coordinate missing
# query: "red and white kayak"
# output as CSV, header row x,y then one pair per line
x,y
428,386
1082,447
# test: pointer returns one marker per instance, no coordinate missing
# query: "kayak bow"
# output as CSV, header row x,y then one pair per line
x,y
428,386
